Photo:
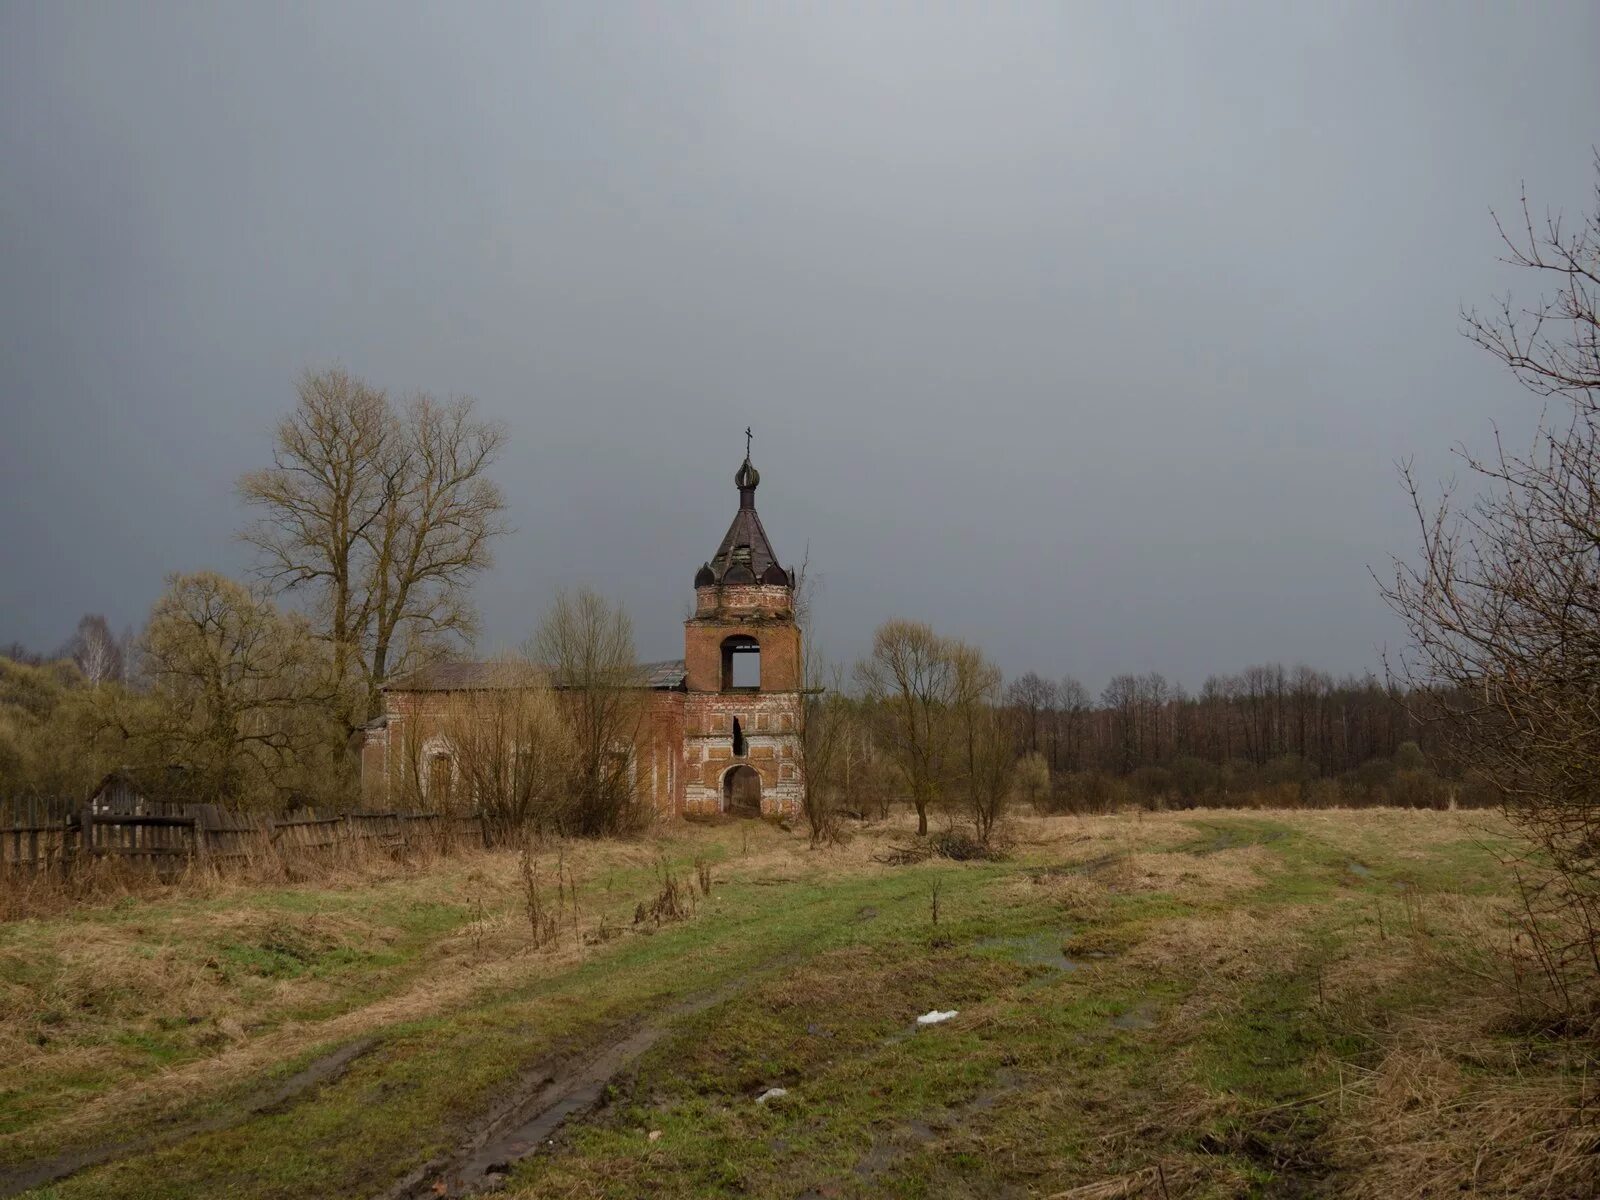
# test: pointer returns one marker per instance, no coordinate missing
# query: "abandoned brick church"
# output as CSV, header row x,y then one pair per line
x,y
720,727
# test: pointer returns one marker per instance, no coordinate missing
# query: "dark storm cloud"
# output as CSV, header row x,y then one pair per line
x,y
1092,334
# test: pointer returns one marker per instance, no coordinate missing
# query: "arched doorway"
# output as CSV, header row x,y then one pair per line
x,y
741,792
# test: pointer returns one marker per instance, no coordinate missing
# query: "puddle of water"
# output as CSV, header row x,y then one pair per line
x,y
1042,949
1358,869
1232,838
914,1133
1061,870
1141,1016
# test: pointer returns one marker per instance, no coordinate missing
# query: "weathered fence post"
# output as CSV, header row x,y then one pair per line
x,y
198,853
86,829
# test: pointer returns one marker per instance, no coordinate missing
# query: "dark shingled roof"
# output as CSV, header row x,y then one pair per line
x,y
745,544
482,676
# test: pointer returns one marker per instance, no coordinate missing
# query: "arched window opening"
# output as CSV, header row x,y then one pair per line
x,y
739,747
741,663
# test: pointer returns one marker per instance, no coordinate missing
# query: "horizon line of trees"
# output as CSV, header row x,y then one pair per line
x,y
1265,712
926,719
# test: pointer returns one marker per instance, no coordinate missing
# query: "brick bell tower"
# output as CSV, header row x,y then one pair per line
x,y
743,674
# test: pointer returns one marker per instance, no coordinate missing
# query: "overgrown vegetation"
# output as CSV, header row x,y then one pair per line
x,y
1234,1005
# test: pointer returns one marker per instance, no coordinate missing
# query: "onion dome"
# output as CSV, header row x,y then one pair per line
x,y
745,556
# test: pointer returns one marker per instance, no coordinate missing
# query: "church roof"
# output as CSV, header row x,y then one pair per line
x,y
746,554
488,676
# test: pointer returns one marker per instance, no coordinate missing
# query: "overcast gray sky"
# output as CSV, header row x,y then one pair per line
x,y
1089,332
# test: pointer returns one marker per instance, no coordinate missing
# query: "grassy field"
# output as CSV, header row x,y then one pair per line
x,y
1196,1004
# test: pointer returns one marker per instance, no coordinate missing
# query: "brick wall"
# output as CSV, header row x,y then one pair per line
x,y
769,723
780,652
412,730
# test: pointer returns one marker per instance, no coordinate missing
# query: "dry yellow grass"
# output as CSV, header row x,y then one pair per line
x,y
1352,908
1453,1108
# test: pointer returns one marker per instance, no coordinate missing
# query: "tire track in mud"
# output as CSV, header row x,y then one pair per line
x,y
548,1095
260,1102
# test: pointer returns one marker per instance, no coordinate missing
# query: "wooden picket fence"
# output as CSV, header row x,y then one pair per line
x,y
44,834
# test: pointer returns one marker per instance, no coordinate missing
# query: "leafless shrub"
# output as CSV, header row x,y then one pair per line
x,y
586,645
957,845
542,922
477,923
673,900
512,752
1501,609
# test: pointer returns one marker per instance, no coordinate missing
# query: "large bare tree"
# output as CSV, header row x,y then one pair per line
x,y
384,514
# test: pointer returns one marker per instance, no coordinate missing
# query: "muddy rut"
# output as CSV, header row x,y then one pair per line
x,y
549,1095
329,1067
543,1098
546,1097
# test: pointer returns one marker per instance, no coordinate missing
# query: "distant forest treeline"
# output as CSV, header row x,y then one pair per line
x,y
1278,734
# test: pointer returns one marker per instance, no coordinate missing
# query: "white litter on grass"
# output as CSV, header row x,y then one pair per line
x,y
934,1017
772,1094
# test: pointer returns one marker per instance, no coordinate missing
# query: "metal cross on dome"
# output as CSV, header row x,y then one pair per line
x,y
747,441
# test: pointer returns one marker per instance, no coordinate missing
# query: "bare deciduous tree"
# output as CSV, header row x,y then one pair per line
x,y
240,698
586,645
910,679
383,514
1034,699
96,651
1504,607
824,719
825,726
987,758
1074,702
